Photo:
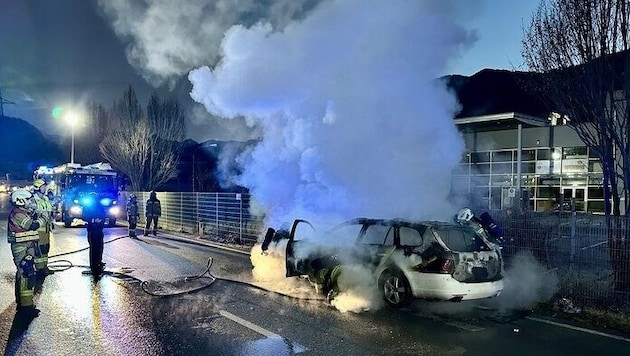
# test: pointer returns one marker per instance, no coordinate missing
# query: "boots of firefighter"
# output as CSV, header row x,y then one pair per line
x,y
27,312
24,290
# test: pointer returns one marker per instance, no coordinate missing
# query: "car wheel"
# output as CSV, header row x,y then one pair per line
x,y
111,223
395,288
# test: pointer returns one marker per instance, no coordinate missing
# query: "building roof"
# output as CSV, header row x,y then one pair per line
x,y
495,122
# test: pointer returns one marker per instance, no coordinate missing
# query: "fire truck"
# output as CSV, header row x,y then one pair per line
x,y
78,189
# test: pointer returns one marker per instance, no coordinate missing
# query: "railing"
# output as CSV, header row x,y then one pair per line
x,y
223,217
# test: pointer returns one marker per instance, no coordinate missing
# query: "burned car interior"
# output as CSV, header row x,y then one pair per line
x,y
407,258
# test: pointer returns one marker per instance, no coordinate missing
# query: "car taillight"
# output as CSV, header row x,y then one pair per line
x,y
448,266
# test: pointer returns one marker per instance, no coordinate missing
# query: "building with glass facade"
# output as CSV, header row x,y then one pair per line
x,y
539,163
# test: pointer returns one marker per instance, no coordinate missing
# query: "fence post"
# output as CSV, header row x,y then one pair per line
x,y
216,215
240,218
181,212
573,242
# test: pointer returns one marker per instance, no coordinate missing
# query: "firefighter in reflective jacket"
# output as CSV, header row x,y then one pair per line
x,y
153,210
132,214
22,234
44,208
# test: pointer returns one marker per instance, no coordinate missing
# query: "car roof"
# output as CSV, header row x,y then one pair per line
x,y
400,222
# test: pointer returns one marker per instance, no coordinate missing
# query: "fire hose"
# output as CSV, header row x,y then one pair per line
x,y
167,289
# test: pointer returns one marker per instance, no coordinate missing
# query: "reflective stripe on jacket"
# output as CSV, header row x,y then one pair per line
x,y
153,208
18,225
44,209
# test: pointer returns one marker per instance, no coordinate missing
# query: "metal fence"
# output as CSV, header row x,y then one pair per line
x,y
589,254
222,216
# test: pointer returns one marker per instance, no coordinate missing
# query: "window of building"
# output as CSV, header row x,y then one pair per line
x,y
543,154
476,157
595,206
547,192
594,167
501,179
465,158
502,156
596,193
528,155
573,181
526,167
574,152
481,168
502,168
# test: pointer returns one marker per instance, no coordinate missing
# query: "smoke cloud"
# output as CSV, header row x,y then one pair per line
x,y
353,121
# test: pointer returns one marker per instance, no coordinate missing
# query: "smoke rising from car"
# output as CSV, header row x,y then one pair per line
x,y
527,283
353,120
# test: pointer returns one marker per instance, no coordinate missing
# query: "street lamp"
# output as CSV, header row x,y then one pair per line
x,y
72,119
193,162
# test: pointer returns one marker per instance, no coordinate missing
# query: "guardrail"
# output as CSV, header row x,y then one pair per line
x,y
224,217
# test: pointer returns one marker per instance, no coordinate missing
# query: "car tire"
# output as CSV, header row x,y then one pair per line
x,y
112,222
395,289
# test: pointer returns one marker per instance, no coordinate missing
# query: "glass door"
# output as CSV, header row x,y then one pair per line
x,y
576,196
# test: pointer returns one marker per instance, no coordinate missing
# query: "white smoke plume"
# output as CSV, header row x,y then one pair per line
x,y
353,121
167,38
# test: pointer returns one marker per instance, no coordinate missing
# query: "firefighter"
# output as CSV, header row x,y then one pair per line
x,y
43,208
95,215
132,214
484,226
153,211
22,234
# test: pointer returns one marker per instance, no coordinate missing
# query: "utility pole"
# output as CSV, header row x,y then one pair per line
x,y
2,102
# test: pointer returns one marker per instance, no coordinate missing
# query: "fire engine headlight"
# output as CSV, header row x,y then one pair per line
x,y
76,210
114,210
87,201
106,202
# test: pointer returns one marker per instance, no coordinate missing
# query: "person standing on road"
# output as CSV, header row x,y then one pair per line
x,y
22,233
95,216
132,214
153,211
43,208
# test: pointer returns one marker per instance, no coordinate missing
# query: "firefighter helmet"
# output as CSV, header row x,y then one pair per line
x,y
132,196
38,183
464,215
20,197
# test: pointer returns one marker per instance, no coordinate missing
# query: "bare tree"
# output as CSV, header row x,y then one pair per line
x,y
168,127
581,47
127,148
145,148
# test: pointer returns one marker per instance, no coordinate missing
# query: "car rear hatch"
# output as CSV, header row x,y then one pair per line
x,y
475,258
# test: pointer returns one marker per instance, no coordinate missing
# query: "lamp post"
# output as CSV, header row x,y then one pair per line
x,y
193,162
72,118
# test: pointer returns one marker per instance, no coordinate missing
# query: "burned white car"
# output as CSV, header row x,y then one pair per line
x,y
427,260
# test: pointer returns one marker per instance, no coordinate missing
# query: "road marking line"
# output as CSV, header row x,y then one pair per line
x,y
577,328
297,348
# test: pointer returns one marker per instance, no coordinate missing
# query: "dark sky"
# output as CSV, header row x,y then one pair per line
x,y
59,53
65,53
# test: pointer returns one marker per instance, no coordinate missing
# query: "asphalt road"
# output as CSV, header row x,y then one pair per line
x,y
119,315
